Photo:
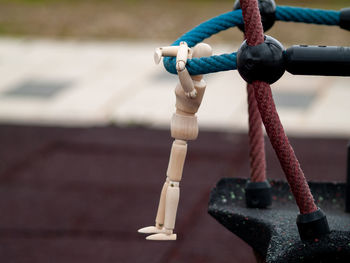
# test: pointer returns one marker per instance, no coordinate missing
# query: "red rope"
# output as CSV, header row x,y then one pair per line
x,y
256,139
270,118
256,136
253,28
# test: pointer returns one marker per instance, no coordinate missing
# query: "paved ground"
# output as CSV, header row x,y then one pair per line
x,y
79,195
99,83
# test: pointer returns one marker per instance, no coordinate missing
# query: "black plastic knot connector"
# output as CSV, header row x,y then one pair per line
x,y
267,12
263,62
312,225
258,194
344,19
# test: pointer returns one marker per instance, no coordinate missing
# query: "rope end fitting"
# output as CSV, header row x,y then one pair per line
x,y
312,225
258,194
264,62
267,10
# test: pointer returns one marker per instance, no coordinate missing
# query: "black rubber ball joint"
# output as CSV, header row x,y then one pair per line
x,y
263,62
267,12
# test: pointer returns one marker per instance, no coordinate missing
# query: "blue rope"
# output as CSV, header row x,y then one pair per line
x,y
307,15
211,64
224,62
211,27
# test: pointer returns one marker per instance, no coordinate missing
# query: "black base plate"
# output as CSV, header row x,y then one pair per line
x,y
273,232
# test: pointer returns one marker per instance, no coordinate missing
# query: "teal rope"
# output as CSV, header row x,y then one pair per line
x,y
307,15
211,27
211,64
224,62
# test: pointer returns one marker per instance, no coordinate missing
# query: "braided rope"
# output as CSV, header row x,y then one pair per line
x,y
222,22
254,36
283,149
307,15
211,27
203,31
270,118
204,65
256,139
254,31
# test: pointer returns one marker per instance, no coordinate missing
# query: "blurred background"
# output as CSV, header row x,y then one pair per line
x,y
84,128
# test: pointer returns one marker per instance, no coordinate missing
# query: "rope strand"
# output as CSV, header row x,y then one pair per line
x,y
283,149
256,139
225,21
270,118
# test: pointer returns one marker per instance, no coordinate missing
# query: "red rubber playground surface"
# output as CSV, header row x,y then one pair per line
x,y
79,195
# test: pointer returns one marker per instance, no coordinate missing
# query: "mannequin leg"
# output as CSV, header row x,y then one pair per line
x,y
158,228
175,168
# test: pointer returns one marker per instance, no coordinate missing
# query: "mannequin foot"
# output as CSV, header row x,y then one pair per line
x,y
162,237
150,230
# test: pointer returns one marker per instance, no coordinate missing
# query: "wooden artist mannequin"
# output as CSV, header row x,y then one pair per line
x,y
189,94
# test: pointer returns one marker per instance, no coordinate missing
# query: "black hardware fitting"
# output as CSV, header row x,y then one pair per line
x,y
312,225
267,12
258,194
263,62
318,60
